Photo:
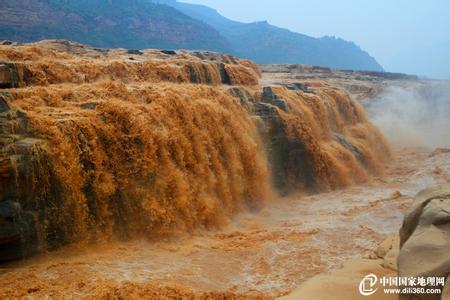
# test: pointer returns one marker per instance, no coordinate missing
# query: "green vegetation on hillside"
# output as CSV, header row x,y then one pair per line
x,y
107,23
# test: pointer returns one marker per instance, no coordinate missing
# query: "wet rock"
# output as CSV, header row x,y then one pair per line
x,y
298,86
320,69
89,105
276,141
17,230
100,50
135,52
29,218
4,107
269,96
5,171
22,202
13,118
26,144
169,52
9,233
8,76
266,111
246,100
290,163
9,210
12,122
205,73
214,56
13,75
224,74
425,237
199,75
341,139
20,114
6,43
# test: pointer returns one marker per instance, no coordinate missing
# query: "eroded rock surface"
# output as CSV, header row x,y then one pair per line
x,y
388,251
425,237
343,284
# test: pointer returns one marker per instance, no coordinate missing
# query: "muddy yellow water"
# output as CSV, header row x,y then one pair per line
x,y
260,255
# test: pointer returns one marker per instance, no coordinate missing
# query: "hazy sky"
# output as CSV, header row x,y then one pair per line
x,y
410,36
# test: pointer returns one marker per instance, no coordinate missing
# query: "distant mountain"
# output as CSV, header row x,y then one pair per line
x,y
107,23
268,44
137,24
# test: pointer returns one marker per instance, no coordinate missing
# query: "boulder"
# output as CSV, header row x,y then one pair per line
x,y
425,238
269,96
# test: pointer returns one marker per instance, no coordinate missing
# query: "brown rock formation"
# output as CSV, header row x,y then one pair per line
x,y
343,284
425,238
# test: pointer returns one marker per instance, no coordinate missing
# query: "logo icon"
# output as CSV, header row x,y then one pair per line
x,y
367,285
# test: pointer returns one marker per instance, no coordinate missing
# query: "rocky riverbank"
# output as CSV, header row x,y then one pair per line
x,y
419,250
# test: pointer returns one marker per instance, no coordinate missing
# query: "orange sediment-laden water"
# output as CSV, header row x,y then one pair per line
x,y
318,119
157,181
148,158
155,145
257,256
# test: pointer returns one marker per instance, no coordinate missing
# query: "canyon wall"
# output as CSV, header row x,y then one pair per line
x,y
100,144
